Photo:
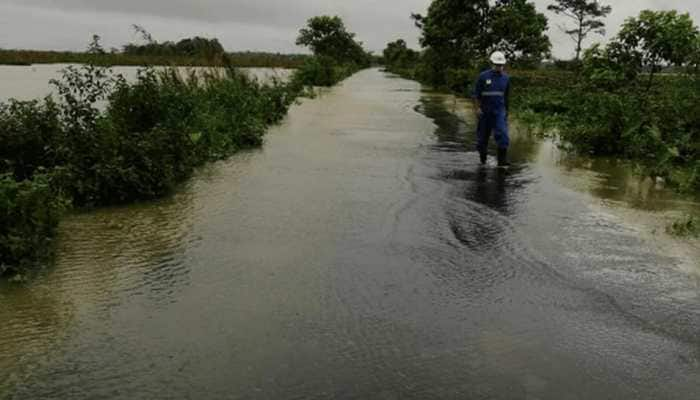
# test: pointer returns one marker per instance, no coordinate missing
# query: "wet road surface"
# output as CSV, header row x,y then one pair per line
x,y
362,253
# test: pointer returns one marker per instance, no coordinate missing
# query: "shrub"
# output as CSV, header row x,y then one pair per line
x,y
29,133
29,215
109,141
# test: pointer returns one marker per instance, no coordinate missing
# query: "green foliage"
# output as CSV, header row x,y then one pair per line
x,y
322,71
109,141
398,55
460,80
196,47
460,34
337,54
623,106
327,37
456,31
29,133
519,31
29,215
616,102
601,72
652,41
587,17
156,130
657,37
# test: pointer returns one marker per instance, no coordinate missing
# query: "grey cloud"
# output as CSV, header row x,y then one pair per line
x,y
247,24
273,12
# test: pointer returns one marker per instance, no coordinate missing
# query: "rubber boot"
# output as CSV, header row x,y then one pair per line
x,y
503,158
482,157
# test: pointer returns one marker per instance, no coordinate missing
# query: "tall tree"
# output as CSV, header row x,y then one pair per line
x,y
327,36
653,40
455,31
518,30
587,16
398,55
462,33
95,47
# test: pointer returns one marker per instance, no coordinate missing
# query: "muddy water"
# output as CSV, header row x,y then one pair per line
x,y
32,82
363,253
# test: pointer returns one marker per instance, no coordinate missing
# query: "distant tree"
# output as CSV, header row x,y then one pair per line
x,y
145,35
519,30
327,36
397,54
197,46
455,31
587,16
462,33
95,47
190,47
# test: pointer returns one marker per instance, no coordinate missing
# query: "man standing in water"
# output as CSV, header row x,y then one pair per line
x,y
491,105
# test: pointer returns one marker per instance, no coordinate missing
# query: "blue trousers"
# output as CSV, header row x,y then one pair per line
x,y
496,122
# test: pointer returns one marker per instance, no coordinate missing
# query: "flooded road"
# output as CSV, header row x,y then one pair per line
x,y
362,253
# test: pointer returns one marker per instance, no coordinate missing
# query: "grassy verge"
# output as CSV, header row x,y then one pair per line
x,y
107,141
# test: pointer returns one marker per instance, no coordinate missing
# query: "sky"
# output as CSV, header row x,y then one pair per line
x,y
265,25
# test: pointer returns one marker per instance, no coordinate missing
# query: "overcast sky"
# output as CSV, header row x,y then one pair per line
x,y
268,25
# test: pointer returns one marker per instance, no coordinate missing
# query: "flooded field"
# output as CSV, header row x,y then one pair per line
x,y
363,253
32,82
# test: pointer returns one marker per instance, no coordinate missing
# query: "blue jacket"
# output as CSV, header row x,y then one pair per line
x,y
492,89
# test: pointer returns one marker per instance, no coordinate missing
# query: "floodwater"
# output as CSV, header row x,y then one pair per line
x,y
32,82
363,253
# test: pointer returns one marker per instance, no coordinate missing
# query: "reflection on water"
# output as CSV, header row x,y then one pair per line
x,y
363,252
106,259
611,180
615,180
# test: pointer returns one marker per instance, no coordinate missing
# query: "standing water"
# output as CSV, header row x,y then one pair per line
x,y
31,82
361,253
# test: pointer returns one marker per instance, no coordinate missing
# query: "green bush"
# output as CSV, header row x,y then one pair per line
x,y
460,80
29,133
29,215
323,71
109,141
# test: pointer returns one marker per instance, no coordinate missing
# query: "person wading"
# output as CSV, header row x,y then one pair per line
x,y
491,94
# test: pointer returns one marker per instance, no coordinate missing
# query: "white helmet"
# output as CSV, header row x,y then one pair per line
x,y
498,58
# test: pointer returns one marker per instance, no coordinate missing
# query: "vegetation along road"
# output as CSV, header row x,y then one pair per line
x,y
334,235
361,251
